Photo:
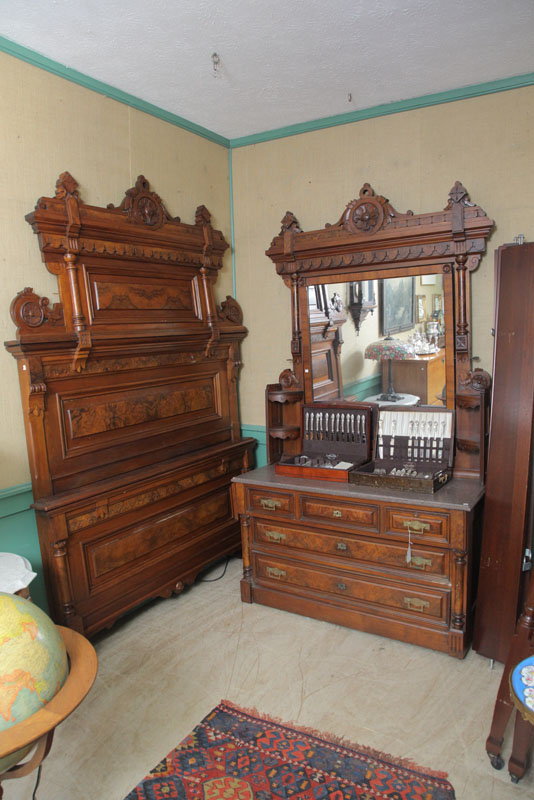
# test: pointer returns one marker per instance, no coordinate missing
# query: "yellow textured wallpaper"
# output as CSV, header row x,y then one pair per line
x,y
49,125
413,158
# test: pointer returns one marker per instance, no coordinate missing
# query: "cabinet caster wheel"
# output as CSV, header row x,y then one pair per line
x,y
496,761
514,778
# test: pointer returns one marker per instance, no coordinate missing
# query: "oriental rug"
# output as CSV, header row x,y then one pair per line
x,y
237,754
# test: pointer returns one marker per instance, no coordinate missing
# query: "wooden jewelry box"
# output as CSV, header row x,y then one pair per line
x,y
336,437
413,449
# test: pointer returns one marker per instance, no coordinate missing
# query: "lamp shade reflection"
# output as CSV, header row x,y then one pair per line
x,y
389,349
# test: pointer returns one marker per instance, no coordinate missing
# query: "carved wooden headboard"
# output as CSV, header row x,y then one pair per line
x,y
136,366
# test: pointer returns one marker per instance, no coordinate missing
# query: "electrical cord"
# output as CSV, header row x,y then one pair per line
x,y
211,580
34,795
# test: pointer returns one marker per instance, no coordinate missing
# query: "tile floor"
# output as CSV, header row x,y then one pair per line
x,y
166,666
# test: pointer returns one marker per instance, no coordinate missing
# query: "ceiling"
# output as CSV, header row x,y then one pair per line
x,y
279,62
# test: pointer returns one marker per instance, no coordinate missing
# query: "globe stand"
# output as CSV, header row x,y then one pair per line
x,y
37,731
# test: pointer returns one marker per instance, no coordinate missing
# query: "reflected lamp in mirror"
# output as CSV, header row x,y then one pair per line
x,y
389,349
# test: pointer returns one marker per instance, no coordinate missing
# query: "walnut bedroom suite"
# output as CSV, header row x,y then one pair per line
x,y
267,454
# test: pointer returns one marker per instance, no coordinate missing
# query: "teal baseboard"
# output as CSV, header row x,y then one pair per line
x,y
364,388
18,534
257,432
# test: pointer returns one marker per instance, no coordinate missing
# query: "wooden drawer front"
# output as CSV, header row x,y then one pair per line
x,y
378,591
353,514
425,525
271,502
431,562
130,546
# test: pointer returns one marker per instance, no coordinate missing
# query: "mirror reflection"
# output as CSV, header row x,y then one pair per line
x,y
380,341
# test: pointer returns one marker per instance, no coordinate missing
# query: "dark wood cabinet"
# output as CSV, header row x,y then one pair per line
x,y
128,387
423,376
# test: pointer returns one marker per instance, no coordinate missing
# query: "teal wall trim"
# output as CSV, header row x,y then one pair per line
x,y
18,534
451,96
367,387
517,82
31,57
232,228
257,432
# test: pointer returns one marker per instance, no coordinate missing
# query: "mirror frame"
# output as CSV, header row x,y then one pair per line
x,y
371,240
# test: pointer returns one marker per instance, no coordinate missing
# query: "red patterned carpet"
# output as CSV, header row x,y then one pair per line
x,y
235,754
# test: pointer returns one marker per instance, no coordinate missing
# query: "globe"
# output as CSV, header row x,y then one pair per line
x,y
33,664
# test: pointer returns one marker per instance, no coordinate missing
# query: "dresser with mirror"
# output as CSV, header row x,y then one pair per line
x,y
384,559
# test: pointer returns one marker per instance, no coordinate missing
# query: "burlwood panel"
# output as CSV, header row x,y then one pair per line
x,y
125,548
140,296
160,494
93,428
353,549
418,525
337,511
268,502
376,591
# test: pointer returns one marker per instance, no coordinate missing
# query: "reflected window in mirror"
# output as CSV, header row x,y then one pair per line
x,y
410,309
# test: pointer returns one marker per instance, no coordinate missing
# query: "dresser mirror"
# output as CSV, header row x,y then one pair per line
x,y
373,274
414,311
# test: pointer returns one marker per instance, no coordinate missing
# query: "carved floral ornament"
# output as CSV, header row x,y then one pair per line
x,y
144,207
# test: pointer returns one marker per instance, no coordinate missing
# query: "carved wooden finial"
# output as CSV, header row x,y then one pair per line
x,y
458,195
66,185
144,207
290,223
202,216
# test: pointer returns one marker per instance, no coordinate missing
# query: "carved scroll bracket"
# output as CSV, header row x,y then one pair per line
x,y
230,312
29,311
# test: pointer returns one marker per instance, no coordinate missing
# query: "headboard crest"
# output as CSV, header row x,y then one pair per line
x,y
144,207
368,213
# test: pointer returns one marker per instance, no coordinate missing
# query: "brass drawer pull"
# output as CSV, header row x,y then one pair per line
x,y
416,604
416,525
342,587
275,536
341,546
336,513
269,503
274,572
418,562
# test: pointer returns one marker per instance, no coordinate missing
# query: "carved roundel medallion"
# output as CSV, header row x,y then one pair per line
x,y
148,211
32,313
364,215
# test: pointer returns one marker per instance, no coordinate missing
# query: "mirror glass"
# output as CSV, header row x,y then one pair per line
x,y
381,341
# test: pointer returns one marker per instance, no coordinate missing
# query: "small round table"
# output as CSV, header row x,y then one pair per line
x,y
522,696
405,400
38,730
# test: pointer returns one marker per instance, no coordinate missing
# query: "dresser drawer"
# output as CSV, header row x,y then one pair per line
x,y
378,592
428,525
348,514
268,502
431,562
